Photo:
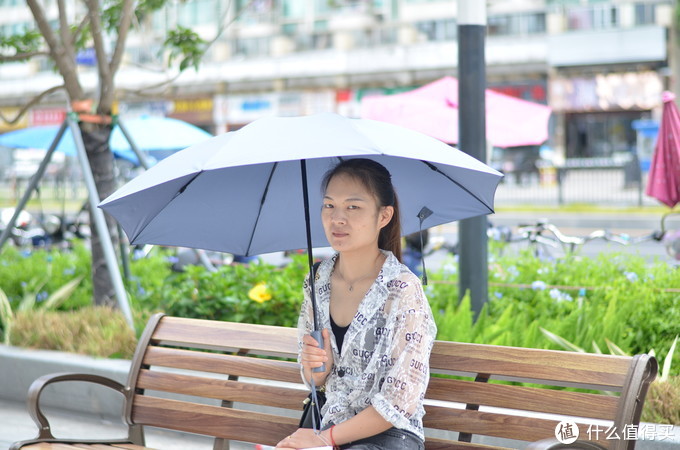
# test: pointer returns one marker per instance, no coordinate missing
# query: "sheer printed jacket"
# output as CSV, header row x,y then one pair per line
x,y
386,351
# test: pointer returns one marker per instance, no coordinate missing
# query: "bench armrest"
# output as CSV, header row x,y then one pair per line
x,y
35,391
554,444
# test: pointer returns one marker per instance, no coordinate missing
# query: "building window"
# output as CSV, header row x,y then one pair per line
x,y
516,24
438,30
251,47
596,17
645,14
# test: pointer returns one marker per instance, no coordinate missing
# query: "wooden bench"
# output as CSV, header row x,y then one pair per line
x,y
249,374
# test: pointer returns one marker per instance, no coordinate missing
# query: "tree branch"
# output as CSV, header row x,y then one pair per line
x,y
144,92
21,56
64,31
123,29
105,77
35,100
81,27
66,66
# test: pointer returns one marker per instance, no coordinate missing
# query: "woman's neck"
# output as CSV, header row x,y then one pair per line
x,y
354,265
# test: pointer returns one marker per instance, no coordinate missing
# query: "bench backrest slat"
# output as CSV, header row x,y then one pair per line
x,y
225,364
210,420
222,389
532,365
551,401
257,339
490,424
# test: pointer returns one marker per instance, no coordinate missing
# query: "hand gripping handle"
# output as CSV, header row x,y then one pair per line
x,y
316,334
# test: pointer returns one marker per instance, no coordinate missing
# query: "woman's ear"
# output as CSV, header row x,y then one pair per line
x,y
385,216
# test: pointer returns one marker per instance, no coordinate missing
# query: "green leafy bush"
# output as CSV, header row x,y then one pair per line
x,y
255,293
614,298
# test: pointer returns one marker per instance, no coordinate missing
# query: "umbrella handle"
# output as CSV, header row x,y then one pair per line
x,y
316,334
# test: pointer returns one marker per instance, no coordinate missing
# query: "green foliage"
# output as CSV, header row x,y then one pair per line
x,y
113,10
186,44
27,42
614,303
225,294
32,277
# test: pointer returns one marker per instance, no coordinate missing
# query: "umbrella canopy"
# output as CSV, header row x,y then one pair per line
x,y
433,110
241,192
151,134
664,173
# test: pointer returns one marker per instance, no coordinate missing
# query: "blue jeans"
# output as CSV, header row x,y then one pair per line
x,y
392,439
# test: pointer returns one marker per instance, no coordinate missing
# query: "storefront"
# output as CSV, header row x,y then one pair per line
x,y
597,112
196,111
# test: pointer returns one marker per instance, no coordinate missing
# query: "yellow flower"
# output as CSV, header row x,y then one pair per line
x,y
259,293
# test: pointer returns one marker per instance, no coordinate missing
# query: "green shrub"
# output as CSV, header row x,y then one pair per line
x,y
226,294
614,298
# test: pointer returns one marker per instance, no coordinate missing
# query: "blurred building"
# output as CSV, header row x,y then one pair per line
x,y
599,64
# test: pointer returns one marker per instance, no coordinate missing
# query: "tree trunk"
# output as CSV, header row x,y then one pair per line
x,y
96,140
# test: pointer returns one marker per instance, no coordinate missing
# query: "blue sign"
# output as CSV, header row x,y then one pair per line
x,y
86,57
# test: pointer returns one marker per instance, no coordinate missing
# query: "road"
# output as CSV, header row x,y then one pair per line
x,y
578,224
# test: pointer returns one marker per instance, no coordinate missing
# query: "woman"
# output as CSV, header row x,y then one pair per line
x,y
377,326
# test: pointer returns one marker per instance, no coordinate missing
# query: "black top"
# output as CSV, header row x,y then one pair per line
x,y
339,333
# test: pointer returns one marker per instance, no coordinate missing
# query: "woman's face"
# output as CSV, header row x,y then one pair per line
x,y
351,217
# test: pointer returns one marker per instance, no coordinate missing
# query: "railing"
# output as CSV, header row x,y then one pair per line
x,y
599,181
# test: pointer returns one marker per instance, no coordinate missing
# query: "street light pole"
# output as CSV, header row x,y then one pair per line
x,y
472,140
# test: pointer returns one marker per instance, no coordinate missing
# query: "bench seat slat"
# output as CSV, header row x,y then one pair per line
x,y
109,447
225,364
237,391
552,401
489,423
257,339
607,371
442,444
215,421
65,446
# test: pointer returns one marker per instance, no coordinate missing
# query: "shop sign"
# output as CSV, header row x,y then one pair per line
x,y
47,116
607,92
11,113
158,108
242,109
194,110
533,92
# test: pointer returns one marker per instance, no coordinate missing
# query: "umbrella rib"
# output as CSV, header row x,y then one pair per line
x,y
259,211
436,169
179,192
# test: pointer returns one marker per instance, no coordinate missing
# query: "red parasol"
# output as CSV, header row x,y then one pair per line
x,y
664,173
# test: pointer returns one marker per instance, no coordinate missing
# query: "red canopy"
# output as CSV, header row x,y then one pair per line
x,y
433,109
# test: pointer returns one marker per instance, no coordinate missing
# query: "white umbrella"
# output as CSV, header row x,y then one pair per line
x,y
244,192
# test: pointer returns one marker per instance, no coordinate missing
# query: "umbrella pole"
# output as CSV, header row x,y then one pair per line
x,y
316,334
35,179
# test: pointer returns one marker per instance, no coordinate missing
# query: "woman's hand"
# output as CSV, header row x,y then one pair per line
x,y
312,357
305,438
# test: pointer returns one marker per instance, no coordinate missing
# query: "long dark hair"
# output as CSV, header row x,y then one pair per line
x,y
377,179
